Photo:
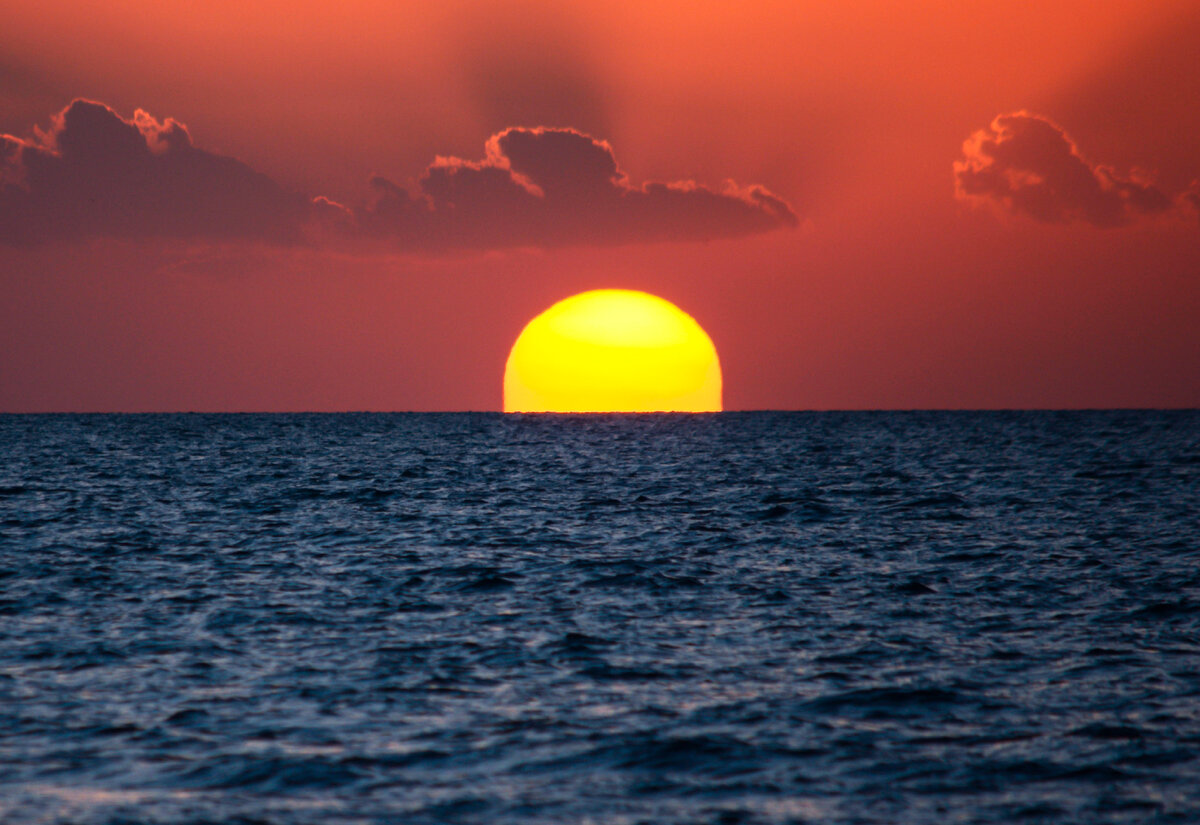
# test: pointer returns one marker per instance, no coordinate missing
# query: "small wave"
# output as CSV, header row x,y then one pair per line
x,y
267,774
1167,610
488,584
575,644
1107,732
886,699
914,587
704,755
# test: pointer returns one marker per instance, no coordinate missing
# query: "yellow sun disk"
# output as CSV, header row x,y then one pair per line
x,y
613,350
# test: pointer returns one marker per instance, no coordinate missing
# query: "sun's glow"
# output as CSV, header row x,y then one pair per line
x,y
613,350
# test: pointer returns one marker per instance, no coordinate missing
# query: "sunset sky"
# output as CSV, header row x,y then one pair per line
x,y
358,206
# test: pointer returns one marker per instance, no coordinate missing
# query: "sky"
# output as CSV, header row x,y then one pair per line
x,y
268,206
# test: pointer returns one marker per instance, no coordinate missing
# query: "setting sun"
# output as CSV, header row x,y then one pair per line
x,y
613,350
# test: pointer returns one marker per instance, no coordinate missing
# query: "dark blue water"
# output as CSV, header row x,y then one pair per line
x,y
738,618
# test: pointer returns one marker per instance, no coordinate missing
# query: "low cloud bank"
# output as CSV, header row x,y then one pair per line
x,y
96,174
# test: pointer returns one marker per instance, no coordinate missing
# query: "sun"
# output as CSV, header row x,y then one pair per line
x,y
613,350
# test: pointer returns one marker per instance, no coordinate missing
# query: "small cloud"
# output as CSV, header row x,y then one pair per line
x,y
1028,165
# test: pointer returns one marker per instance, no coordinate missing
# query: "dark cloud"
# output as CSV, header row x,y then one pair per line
x,y
1029,165
556,187
96,174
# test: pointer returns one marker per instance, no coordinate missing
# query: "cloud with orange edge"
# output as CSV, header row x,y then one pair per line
x,y
1028,165
96,174
558,187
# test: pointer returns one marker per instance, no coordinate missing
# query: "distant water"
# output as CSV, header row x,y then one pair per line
x,y
735,618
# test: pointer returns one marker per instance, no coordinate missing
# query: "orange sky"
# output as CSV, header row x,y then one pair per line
x,y
890,291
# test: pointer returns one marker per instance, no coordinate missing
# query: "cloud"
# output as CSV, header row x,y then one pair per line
x,y
96,174
1029,165
556,187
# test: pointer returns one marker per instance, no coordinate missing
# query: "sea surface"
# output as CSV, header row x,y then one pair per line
x,y
476,618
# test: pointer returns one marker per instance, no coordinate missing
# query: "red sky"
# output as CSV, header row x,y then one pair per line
x,y
1054,262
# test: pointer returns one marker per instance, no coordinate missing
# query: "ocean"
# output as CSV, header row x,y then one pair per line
x,y
913,617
